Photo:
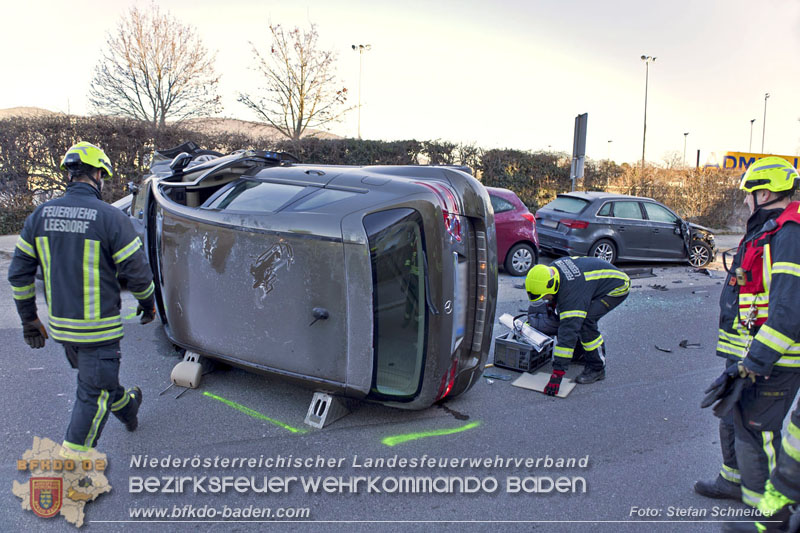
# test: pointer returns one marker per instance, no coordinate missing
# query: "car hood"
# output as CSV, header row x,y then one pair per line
x,y
701,228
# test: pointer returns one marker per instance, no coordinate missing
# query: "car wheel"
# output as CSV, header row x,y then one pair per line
x,y
700,254
605,250
519,259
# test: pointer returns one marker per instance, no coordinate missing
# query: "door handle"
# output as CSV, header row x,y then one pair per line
x,y
655,230
621,228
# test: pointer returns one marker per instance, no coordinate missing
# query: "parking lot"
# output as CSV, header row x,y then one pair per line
x,y
638,438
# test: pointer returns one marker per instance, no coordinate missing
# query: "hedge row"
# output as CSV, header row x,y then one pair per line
x,y
31,149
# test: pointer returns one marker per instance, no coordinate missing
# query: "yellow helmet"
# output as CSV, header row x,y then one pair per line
x,y
771,173
541,280
88,154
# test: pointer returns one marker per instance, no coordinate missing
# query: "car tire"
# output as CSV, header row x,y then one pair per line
x,y
604,249
519,259
700,254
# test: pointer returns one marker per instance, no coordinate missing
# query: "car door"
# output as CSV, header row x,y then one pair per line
x,y
664,241
631,228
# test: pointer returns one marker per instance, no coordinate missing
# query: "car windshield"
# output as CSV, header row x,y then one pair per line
x,y
567,204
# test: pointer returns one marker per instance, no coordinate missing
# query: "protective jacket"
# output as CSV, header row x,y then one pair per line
x,y
758,311
582,281
83,246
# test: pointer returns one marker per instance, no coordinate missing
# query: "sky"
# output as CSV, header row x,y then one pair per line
x,y
499,74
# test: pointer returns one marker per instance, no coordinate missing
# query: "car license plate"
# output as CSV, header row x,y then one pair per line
x,y
550,223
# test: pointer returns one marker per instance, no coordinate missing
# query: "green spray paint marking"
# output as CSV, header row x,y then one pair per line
x,y
254,414
132,315
399,439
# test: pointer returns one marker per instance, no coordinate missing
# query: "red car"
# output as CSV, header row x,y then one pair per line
x,y
517,241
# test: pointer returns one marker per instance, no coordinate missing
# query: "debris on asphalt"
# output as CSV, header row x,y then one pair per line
x,y
677,281
519,286
667,350
659,287
700,292
636,286
496,376
638,273
686,344
705,271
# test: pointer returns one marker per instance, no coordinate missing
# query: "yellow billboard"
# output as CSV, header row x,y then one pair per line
x,y
741,160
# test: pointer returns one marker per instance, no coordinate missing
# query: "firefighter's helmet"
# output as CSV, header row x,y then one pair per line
x,y
541,280
87,154
771,173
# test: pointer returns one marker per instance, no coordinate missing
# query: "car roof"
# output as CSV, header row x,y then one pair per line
x,y
596,195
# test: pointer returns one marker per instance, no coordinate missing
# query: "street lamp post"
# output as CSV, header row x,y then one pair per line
x,y
750,147
609,148
764,125
647,60
686,134
361,49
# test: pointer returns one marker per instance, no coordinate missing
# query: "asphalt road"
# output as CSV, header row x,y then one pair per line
x,y
641,430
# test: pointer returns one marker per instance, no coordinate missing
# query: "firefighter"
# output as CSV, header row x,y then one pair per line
x,y
760,328
83,246
583,289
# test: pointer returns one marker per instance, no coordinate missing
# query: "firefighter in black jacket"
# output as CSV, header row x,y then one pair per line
x,y
760,328
83,244
584,289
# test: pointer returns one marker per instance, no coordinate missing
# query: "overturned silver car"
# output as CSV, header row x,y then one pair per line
x,y
374,282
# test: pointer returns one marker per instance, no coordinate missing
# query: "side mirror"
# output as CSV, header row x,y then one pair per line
x,y
132,187
677,229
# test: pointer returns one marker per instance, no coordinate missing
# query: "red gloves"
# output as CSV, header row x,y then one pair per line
x,y
551,389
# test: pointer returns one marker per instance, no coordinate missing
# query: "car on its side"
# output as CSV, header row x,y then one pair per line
x,y
618,227
517,242
374,282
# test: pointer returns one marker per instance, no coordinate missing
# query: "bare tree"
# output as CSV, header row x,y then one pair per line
x,y
154,69
301,87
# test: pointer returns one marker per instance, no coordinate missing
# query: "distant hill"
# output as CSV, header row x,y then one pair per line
x,y
234,125
205,125
26,112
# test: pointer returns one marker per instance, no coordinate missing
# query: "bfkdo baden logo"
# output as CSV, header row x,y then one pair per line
x,y
61,482
45,494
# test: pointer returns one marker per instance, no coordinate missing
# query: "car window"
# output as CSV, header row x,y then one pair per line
x,y
659,213
605,211
567,204
500,205
320,198
628,210
253,195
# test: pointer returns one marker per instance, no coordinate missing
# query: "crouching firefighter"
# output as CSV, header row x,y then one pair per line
x,y
759,330
584,289
83,245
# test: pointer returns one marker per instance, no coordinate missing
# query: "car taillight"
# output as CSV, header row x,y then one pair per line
x,y
449,205
448,380
575,224
529,217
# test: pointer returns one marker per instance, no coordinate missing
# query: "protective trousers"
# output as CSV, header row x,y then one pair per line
x,y
757,423
98,393
786,476
590,336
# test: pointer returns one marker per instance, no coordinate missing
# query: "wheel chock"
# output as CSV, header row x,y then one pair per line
x,y
189,372
325,409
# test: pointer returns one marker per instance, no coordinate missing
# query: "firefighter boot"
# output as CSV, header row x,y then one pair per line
x,y
133,422
590,375
719,489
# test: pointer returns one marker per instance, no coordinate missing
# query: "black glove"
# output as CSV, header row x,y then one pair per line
x,y
552,387
148,314
727,389
34,333
720,386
